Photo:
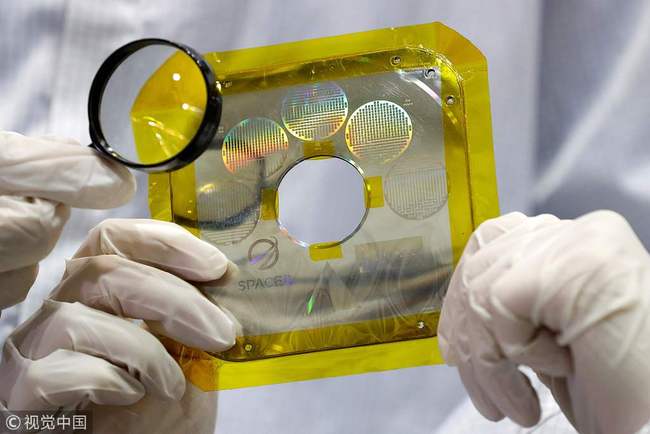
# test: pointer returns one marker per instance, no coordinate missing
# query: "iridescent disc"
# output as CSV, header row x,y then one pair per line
x,y
256,146
315,111
379,131
416,190
228,212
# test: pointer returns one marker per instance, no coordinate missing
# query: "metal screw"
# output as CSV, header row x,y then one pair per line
x,y
395,60
420,325
430,73
450,100
248,347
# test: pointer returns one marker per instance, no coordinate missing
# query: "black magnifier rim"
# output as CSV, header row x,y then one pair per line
x,y
204,134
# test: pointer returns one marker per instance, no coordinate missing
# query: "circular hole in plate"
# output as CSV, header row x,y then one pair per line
x,y
321,200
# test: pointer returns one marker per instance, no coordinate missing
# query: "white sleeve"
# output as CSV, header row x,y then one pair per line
x,y
593,109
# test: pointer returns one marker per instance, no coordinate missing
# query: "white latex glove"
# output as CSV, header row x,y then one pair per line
x,y
40,179
570,299
80,347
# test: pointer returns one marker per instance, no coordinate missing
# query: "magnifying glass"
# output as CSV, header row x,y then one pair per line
x,y
154,106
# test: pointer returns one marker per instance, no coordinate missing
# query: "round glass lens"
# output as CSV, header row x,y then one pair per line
x,y
153,104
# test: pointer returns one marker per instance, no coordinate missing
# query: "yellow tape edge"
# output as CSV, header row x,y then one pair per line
x,y
375,190
210,373
469,152
316,149
325,251
374,331
435,37
269,204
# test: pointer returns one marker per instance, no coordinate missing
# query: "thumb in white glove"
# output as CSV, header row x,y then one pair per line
x,y
81,348
40,179
570,299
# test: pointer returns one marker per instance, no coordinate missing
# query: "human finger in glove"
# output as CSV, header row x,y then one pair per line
x,y
82,347
568,298
40,179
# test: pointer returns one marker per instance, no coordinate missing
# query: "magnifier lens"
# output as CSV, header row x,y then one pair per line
x,y
153,104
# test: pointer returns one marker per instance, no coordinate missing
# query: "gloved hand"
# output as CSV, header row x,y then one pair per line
x,y
40,179
568,298
82,348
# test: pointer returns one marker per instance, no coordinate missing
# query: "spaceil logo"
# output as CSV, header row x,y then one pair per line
x,y
266,282
264,253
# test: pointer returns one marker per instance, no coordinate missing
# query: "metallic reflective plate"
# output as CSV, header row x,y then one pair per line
x,y
385,281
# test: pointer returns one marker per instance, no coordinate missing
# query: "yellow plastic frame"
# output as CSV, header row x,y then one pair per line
x,y
472,191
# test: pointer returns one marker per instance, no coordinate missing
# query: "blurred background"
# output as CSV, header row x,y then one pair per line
x,y
571,122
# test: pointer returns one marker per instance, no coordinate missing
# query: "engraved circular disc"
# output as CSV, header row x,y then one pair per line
x,y
315,111
379,131
228,212
416,190
255,146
